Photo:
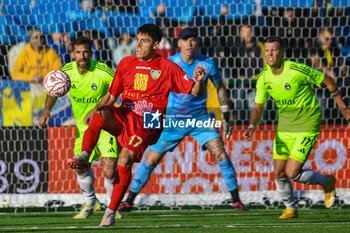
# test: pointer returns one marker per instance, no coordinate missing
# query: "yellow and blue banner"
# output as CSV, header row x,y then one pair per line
x,y
22,103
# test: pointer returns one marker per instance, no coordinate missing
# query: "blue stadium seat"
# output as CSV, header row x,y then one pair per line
x,y
237,8
120,22
73,5
286,3
4,31
149,3
15,32
340,3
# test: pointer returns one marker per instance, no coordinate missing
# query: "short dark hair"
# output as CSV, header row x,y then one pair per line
x,y
274,39
82,40
152,30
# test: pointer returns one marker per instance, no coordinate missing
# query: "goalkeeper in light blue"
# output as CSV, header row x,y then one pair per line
x,y
182,107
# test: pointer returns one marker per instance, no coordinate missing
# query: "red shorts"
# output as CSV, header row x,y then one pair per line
x,y
130,132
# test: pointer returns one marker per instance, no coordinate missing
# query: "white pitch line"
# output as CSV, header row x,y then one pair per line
x,y
245,225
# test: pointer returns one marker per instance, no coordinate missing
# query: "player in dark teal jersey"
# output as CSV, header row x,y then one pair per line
x,y
289,84
90,81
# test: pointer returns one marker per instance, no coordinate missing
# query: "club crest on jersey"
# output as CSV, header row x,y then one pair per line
x,y
155,74
93,86
287,86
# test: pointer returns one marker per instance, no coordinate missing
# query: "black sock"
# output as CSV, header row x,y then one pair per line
x,y
235,196
131,197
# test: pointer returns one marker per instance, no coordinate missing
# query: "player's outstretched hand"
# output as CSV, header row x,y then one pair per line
x,y
346,114
248,134
44,119
78,163
199,73
88,117
227,129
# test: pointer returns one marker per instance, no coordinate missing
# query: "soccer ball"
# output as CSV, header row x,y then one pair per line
x,y
57,83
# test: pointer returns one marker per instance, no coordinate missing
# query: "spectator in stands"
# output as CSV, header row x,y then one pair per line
x,y
224,23
126,6
13,53
319,12
249,61
88,5
291,28
35,60
248,53
125,47
325,54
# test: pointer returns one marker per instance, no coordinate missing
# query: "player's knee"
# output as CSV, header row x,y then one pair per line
x,y
293,175
109,167
109,173
103,111
126,158
279,174
220,156
106,113
292,172
217,149
153,158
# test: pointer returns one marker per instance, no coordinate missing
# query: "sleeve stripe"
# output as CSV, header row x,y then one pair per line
x,y
108,71
67,67
106,68
262,72
295,67
300,70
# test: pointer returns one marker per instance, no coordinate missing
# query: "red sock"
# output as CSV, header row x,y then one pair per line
x,y
121,184
92,133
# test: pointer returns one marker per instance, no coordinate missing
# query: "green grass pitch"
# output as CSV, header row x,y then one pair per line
x,y
181,221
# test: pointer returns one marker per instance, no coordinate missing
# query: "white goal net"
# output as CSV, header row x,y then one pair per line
x,y
32,160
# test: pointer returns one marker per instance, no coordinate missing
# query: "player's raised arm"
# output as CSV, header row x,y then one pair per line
x,y
44,118
254,120
332,87
106,100
198,87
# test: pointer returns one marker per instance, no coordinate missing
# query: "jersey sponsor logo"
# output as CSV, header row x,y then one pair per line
x,y
140,82
73,86
185,77
285,101
287,86
127,93
269,87
94,86
151,120
143,68
86,100
155,74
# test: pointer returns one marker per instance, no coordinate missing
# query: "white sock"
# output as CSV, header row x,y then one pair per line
x,y
86,181
285,191
308,176
108,183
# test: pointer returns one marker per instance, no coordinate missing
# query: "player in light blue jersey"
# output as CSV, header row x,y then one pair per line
x,y
190,108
